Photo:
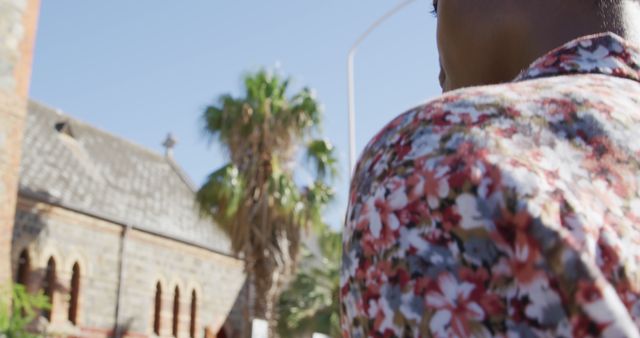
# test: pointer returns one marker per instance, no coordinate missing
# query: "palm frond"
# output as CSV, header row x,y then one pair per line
x,y
320,153
221,195
316,198
311,301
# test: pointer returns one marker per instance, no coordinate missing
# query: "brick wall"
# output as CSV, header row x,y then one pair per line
x,y
17,33
49,231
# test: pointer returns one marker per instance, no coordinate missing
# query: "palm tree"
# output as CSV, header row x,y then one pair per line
x,y
254,197
311,302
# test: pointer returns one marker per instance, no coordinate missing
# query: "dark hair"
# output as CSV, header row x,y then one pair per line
x,y
608,4
612,14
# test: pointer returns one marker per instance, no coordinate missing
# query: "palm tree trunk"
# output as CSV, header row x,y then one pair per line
x,y
272,309
262,285
246,332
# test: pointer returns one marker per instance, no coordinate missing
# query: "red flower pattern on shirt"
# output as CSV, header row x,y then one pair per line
x,y
510,210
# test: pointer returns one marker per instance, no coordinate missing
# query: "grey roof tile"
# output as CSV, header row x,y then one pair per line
x,y
109,177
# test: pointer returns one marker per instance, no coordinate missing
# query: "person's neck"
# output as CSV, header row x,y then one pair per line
x,y
537,40
631,22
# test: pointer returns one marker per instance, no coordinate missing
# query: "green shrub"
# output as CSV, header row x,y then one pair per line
x,y
18,308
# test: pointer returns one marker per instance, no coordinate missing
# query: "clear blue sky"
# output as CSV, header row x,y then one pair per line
x,y
142,68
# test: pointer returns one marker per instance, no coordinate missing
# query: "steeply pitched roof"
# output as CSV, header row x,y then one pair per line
x,y
81,167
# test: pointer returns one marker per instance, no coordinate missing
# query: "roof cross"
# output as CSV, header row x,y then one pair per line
x,y
168,144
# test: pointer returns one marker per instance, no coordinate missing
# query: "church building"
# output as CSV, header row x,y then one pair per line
x,y
111,232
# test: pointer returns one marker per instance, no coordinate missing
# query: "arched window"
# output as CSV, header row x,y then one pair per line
x,y
74,294
24,268
157,309
176,311
222,333
194,308
49,286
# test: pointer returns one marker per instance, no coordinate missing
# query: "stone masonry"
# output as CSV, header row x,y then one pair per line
x,y
69,237
17,33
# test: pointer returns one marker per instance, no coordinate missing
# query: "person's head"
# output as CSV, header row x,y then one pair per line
x,y
491,41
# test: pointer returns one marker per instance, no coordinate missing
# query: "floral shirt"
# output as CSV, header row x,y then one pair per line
x,y
504,211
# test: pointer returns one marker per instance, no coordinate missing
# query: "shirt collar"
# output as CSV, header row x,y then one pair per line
x,y
604,53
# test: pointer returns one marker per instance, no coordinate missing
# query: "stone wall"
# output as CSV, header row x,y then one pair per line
x,y
215,278
17,33
70,237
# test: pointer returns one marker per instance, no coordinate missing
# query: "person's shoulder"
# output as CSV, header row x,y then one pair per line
x,y
450,148
437,127
461,108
